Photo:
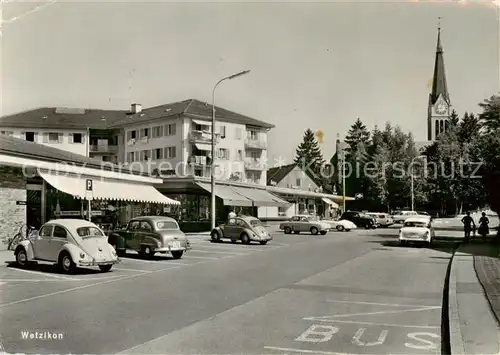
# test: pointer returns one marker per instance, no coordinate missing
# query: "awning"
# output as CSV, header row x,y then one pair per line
x,y
228,195
104,189
260,197
202,123
330,202
203,146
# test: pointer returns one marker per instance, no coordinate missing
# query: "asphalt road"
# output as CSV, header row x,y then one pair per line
x,y
345,292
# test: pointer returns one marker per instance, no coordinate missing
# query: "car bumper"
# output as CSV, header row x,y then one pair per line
x,y
414,238
261,238
97,263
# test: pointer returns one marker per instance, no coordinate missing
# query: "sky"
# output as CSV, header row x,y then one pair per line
x,y
316,65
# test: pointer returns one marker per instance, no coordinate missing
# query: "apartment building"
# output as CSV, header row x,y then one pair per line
x,y
79,131
174,140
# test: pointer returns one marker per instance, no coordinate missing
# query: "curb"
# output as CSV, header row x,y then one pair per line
x,y
457,346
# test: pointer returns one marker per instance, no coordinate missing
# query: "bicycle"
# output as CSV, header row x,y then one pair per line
x,y
24,232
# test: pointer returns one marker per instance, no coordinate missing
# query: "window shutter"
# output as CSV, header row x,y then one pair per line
x,y
35,136
60,137
83,137
46,137
70,138
23,135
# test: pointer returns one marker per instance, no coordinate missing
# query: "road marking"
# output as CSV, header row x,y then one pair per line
x,y
230,247
380,304
166,261
356,340
429,344
134,270
304,351
44,274
202,257
79,288
321,333
216,252
371,323
383,312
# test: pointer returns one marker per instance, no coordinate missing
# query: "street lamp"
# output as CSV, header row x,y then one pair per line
x,y
212,163
412,178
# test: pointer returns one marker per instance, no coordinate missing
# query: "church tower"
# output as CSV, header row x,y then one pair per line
x,y
439,110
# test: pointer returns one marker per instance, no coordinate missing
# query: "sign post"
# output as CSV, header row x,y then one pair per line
x,y
89,196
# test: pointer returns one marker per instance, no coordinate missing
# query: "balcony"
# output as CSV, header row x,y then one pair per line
x,y
202,137
254,164
255,144
103,149
198,160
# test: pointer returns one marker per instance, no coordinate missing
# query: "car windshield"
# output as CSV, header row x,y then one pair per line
x,y
89,232
313,218
256,223
416,224
162,225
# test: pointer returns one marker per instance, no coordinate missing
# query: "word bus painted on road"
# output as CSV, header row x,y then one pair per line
x,y
319,333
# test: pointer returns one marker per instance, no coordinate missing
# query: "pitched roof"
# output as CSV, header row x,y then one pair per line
x,y
78,118
52,117
279,173
193,108
439,86
19,147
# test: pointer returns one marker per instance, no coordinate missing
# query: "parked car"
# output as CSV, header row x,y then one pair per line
x,y
71,243
244,228
401,216
342,225
359,219
305,223
149,235
416,230
382,219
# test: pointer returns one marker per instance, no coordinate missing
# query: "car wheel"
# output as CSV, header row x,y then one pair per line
x,y
367,226
105,268
177,254
263,242
323,232
147,252
314,230
66,263
287,230
340,228
215,237
21,257
245,239
402,243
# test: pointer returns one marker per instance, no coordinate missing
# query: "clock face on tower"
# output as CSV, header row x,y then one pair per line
x,y
441,108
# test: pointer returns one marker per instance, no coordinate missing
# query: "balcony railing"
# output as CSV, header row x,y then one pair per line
x,y
254,164
199,160
111,149
202,137
255,144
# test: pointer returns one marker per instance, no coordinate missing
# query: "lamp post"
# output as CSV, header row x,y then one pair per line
x,y
412,179
212,163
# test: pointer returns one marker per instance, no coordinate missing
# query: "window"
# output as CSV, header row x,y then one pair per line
x,y
297,182
30,136
240,223
145,133
254,155
223,153
130,157
89,232
54,137
167,225
157,131
145,226
59,232
198,172
170,129
46,231
222,131
240,154
144,155
170,152
252,135
157,154
232,221
237,133
134,225
77,138
131,135
7,133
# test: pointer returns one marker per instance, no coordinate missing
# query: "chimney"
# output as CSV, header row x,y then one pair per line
x,y
136,108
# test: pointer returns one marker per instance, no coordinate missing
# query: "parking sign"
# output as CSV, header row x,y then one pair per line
x,y
89,189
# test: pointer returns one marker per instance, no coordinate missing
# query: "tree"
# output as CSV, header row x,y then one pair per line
x,y
468,128
454,118
308,154
357,140
490,117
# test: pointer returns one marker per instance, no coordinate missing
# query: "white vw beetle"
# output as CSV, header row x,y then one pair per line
x,y
416,230
70,243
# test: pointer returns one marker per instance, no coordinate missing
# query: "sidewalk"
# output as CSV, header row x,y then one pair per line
x,y
474,300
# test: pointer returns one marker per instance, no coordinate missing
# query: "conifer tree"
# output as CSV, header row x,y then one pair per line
x,y
308,154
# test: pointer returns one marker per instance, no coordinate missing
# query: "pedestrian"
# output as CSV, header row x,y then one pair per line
x,y
231,214
468,225
484,229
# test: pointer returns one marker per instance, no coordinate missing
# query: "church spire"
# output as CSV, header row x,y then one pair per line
x,y
439,86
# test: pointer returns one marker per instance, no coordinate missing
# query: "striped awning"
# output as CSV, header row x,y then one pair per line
x,y
106,189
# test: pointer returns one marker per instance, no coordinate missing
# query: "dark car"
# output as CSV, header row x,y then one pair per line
x,y
149,235
359,219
